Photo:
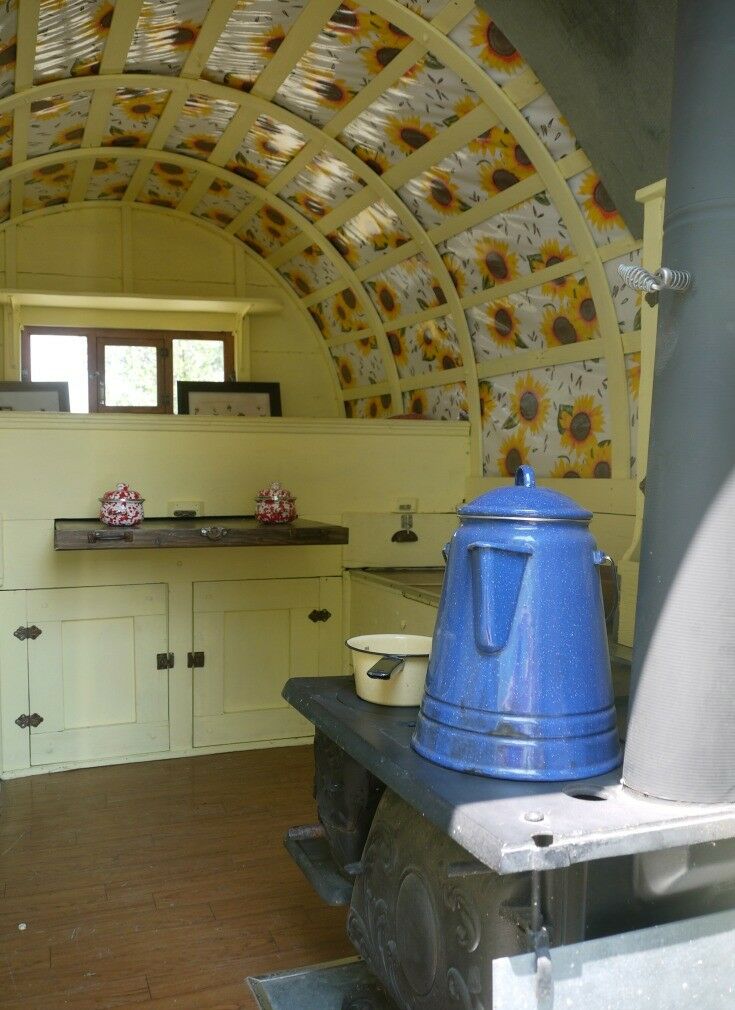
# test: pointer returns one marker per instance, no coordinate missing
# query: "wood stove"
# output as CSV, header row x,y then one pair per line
x,y
455,871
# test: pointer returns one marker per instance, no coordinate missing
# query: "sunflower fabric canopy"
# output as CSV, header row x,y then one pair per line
x,y
399,169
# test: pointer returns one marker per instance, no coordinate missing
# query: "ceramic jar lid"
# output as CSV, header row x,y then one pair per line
x,y
523,500
275,493
122,492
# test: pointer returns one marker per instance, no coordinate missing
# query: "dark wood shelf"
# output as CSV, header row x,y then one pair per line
x,y
204,531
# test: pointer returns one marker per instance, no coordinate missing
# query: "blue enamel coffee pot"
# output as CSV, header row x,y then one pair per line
x,y
519,683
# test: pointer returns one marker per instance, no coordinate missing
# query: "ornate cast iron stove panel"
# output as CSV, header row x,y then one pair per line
x,y
430,937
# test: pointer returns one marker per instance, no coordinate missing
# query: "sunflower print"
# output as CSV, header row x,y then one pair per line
x,y
502,325
513,453
312,253
417,402
69,138
496,263
557,326
429,340
507,171
495,50
633,370
584,313
409,134
344,307
311,205
491,142
330,92
200,144
345,248
377,57
455,269
273,220
140,106
598,205
487,401
564,467
441,193
580,423
366,345
386,298
370,408
530,403
394,35
349,23
253,173
398,348
345,373
599,464
550,254
299,282
318,317
372,158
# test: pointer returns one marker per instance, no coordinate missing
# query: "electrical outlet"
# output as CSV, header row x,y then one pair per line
x,y
177,507
407,505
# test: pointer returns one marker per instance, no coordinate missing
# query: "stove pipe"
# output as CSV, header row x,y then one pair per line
x,y
681,737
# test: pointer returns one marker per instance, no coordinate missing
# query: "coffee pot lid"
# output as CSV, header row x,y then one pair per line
x,y
524,500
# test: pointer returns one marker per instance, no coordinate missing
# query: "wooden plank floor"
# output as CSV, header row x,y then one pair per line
x,y
157,886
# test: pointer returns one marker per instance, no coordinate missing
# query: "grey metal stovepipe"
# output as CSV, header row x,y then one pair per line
x,y
681,738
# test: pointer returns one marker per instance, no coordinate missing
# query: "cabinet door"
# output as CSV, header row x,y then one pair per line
x,y
255,635
93,674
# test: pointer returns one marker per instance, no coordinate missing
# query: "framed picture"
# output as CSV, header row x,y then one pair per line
x,y
51,397
229,399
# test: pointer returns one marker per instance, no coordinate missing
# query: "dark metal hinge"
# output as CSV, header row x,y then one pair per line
x,y
319,615
164,661
24,721
23,633
195,660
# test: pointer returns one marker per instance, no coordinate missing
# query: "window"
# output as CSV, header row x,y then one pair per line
x,y
124,370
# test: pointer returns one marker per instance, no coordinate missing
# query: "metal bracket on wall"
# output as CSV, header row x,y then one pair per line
x,y
319,615
23,633
195,660
164,660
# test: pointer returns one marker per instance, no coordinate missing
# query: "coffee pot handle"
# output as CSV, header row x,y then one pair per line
x,y
497,574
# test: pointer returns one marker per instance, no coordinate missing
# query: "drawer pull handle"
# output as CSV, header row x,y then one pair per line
x,y
98,535
214,532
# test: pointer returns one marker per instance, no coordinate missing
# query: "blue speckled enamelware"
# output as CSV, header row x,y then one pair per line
x,y
519,683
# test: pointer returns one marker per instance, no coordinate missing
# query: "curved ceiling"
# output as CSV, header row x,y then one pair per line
x,y
399,166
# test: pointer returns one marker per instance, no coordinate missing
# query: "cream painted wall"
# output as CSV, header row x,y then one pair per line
x,y
134,250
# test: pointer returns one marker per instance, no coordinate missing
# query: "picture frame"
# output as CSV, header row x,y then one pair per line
x,y
47,397
229,399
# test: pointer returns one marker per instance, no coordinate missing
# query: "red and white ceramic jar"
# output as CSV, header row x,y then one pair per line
x,y
121,507
275,504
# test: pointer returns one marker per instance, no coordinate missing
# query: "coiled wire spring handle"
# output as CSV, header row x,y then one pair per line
x,y
665,279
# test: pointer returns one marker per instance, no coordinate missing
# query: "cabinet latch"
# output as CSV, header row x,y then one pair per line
x,y
164,661
319,615
195,660
24,721
23,633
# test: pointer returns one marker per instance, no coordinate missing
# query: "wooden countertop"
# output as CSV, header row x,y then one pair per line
x,y
203,531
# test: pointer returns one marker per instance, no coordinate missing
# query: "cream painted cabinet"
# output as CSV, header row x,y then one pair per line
x,y
376,609
253,636
90,673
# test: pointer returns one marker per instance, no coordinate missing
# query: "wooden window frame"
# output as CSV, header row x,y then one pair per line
x,y
98,338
